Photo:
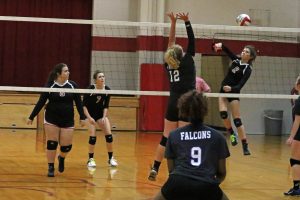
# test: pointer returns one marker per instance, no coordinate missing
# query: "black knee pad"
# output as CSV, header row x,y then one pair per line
x,y
92,140
294,162
163,141
66,149
52,145
224,114
237,122
109,138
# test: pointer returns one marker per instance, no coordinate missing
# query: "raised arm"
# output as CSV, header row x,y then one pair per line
x,y
231,55
218,47
191,37
172,29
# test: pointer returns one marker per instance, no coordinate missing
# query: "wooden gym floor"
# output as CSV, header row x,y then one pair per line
x,y
264,175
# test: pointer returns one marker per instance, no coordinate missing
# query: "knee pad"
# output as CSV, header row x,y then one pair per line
x,y
92,140
66,149
237,122
163,141
224,114
109,138
294,162
52,145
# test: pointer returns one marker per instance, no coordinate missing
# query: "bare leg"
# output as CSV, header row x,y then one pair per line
x,y
223,107
168,127
105,126
235,107
66,137
160,150
92,132
52,133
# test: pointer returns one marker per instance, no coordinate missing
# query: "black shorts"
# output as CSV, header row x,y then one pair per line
x,y
59,122
97,117
172,109
229,99
180,187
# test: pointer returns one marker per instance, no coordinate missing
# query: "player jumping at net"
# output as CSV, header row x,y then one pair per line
x,y
238,74
95,108
182,74
59,116
196,155
294,141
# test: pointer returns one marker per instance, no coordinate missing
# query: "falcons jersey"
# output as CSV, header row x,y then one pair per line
x,y
196,151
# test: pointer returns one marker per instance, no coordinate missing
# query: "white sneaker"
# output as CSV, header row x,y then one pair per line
x,y
91,162
91,170
111,173
152,175
113,162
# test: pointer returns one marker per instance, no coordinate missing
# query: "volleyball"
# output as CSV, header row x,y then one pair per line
x,y
243,20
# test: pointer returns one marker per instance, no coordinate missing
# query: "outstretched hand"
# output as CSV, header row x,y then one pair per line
x,y
172,16
183,16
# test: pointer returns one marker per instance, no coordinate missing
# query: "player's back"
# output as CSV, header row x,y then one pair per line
x,y
196,151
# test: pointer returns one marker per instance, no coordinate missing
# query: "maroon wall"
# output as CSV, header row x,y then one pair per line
x,y
28,51
152,108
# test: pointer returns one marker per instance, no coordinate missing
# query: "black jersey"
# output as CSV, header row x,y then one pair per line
x,y
96,103
196,152
296,108
238,72
296,111
183,79
60,107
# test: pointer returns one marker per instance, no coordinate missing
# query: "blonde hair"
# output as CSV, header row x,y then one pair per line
x,y
173,56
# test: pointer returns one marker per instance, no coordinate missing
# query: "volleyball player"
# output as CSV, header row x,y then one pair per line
x,y
294,141
201,85
238,74
196,155
59,115
293,92
182,75
95,108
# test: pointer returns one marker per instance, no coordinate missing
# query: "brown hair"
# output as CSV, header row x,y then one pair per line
x,y
252,53
55,71
96,73
193,106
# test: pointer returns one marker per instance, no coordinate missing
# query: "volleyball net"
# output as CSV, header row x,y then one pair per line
x,y
130,54
120,49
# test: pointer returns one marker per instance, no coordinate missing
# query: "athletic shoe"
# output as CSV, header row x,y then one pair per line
x,y
233,139
61,164
92,170
152,175
112,162
292,192
91,162
245,149
111,173
51,172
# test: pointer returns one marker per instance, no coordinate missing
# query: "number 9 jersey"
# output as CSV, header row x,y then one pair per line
x,y
196,151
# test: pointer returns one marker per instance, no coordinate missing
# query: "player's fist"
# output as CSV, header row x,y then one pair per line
x,y
217,47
